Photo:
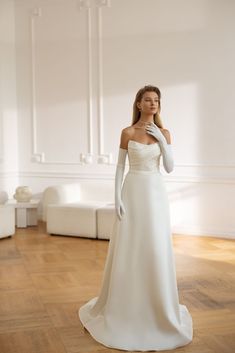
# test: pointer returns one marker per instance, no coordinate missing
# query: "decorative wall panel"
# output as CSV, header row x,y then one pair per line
x,y
61,108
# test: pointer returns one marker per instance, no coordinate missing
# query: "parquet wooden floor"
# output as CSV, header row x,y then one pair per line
x,y
45,279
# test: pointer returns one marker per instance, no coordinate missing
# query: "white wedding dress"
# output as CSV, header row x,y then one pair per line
x,y
138,307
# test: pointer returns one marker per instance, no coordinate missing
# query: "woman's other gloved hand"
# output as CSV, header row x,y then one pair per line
x,y
120,210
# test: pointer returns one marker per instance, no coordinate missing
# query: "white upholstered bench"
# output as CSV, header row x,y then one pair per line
x,y
76,219
67,213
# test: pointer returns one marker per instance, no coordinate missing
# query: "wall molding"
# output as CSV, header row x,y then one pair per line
x,y
36,156
9,174
86,5
199,165
96,5
198,180
111,176
103,158
40,157
66,175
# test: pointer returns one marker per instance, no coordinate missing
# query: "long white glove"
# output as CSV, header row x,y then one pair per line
x,y
118,182
166,149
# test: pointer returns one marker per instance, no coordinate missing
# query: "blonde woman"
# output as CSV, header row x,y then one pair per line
x,y
138,306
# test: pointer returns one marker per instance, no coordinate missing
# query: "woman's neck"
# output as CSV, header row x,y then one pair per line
x,y
146,118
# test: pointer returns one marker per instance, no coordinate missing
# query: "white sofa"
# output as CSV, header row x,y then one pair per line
x,y
79,209
7,221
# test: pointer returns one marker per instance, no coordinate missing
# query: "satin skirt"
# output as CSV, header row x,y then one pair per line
x,y
138,307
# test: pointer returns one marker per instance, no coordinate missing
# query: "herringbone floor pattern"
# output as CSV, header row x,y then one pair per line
x,y
45,279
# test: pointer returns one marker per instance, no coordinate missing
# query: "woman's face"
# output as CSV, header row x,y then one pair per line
x,y
149,103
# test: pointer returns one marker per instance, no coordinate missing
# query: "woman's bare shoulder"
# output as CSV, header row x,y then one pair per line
x,y
126,134
128,130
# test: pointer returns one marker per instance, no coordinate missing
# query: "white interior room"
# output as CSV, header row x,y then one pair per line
x,y
69,73
74,277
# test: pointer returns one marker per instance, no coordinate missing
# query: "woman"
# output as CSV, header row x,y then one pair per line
x,y
138,306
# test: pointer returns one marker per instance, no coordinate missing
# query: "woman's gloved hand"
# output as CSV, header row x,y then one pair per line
x,y
120,210
166,149
154,130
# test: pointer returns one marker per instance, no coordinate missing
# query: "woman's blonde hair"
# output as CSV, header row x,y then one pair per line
x,y
139,96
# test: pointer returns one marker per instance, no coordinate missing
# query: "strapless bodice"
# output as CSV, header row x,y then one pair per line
x,y
143,157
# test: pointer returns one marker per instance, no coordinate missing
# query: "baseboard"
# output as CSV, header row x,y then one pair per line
x,y
200,231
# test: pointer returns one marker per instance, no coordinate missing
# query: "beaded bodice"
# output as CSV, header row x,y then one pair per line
x,y
143,157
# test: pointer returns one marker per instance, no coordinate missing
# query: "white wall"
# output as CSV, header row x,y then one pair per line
x,y
8,106
79,65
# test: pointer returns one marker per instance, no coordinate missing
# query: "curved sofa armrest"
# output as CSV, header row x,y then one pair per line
x,y
7,220
60,194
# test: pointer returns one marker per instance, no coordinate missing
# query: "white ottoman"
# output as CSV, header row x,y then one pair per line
x,y
7,221
105,220
76,219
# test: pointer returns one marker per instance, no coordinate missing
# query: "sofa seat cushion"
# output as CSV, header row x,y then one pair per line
x,y
75,219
